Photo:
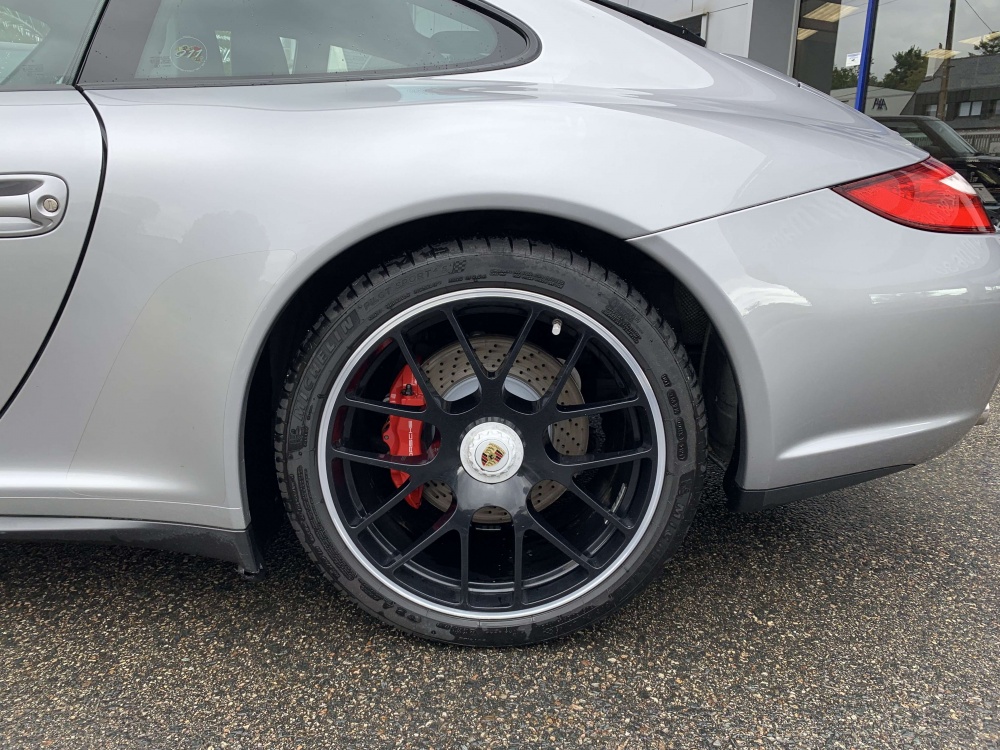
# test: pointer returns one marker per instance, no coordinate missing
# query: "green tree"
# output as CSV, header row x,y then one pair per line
x,y
908,72
990,45
847,78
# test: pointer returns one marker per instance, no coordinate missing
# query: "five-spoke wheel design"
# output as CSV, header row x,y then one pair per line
x,y
491,452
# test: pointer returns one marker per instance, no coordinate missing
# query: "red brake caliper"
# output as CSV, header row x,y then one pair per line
x,y
402,434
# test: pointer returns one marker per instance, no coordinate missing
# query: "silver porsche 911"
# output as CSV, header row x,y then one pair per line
x,y
470,292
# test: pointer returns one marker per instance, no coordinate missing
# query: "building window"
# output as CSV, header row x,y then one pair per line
x,y
970,109
931,110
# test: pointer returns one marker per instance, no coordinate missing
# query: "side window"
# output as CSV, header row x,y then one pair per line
x,y
41,43
301,39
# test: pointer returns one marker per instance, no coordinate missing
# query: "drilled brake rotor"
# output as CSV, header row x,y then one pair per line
x,y
451,375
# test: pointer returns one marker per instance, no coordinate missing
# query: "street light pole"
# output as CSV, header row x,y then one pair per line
x,y
867,46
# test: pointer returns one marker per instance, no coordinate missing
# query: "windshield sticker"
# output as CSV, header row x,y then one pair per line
x,y
188,54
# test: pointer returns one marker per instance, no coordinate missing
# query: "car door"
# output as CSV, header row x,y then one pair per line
x,y
51,161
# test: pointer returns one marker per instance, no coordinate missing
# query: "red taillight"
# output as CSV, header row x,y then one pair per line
x,y
929,195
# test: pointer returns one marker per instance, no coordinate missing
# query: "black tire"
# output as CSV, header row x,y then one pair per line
x,y
674,414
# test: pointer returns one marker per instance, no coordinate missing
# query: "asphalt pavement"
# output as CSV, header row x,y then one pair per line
x,y
867,618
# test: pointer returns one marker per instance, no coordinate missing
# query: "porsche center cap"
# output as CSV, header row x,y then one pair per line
x,y
492,452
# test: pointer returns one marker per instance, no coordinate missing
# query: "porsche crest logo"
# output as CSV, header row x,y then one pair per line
x,y
492,456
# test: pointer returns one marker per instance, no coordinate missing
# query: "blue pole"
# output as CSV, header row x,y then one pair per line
x,y
861,96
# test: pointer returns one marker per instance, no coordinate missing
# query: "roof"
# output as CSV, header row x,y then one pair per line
x,y
978,72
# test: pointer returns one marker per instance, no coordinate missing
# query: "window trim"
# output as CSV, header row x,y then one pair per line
x,y
115,9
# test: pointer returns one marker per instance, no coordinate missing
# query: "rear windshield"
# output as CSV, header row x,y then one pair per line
x,y
191,40
951,140
933,136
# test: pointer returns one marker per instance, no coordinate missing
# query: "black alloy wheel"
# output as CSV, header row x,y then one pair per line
x,y
491,443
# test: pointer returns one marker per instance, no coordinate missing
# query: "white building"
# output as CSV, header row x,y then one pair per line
x,y
763,30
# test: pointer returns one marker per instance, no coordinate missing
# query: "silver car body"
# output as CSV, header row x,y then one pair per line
x,y
858,344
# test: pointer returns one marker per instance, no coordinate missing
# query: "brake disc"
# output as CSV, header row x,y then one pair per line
x,y
451,375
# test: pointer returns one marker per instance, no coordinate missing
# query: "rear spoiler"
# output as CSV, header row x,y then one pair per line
x,y
654,21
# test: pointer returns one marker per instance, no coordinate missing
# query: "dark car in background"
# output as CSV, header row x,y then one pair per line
x,y
941,141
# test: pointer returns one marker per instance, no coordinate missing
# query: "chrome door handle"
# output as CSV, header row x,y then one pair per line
x,y
31,204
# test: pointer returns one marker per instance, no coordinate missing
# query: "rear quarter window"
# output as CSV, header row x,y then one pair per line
x,y
197,42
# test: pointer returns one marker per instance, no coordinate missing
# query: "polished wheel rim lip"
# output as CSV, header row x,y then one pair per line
x,y
363,350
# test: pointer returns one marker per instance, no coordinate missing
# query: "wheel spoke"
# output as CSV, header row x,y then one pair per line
x,y
441,527
555,539
600,509
574,465
407,464
551,397
431,397
463,535
474,362
381,407
560,413
503,371
518,599
385,507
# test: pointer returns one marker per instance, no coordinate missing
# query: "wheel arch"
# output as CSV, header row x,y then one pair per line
x,y
262,390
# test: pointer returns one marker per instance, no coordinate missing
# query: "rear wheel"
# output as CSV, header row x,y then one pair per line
x,y
491,443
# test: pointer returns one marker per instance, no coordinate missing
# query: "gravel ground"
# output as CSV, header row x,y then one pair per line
x,y
864,619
